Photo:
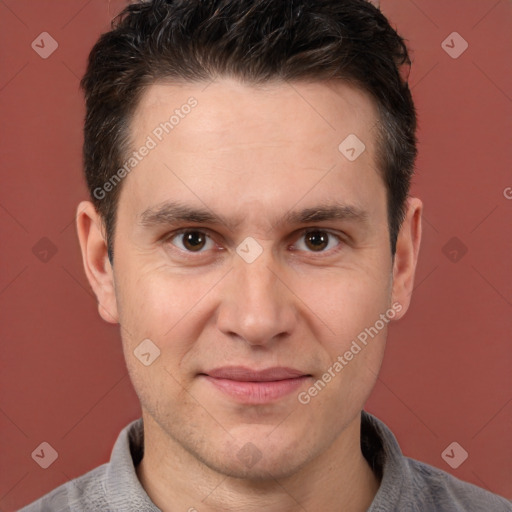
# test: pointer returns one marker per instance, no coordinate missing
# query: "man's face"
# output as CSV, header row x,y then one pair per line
x,y
252,157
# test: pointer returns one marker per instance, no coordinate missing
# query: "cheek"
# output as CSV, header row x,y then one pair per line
x,y
350,303
164,306
153,300
158,308
345,300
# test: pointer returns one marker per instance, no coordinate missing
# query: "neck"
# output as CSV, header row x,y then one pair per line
x,y
338,479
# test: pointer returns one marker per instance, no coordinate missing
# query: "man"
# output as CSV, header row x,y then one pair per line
x,y
250,229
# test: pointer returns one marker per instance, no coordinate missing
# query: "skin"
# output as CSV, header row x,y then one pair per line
x,y
252,154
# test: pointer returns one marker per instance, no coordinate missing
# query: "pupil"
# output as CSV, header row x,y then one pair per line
x,y
194,240
318,239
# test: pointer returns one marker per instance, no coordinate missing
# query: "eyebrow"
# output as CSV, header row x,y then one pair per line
x,y
171,213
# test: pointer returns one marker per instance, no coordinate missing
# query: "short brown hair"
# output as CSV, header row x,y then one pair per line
x,y
255,41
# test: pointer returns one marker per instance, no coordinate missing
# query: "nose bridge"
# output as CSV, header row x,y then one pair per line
x,y
257,306
255,276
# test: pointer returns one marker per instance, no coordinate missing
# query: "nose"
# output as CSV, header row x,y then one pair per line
x,y
256,305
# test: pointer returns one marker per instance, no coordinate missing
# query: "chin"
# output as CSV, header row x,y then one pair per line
x,y
263,471
257,458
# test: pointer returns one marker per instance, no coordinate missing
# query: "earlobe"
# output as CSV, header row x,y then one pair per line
x,y
406,256
95,259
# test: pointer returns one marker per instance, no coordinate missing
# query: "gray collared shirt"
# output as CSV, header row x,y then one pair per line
x,y
406,484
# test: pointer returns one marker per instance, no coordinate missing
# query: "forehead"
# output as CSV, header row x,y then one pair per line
x,y
256,145
233,112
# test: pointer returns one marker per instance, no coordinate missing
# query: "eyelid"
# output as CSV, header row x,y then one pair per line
x,y
170,236
296,236
312,229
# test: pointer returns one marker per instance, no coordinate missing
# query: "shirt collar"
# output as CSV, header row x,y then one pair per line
x,y
122,484
378,445
383,453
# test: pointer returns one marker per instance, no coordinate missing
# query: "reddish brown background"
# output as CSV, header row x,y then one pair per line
x,y
447,373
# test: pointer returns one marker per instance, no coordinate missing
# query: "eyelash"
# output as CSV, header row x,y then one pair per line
x,y
191,254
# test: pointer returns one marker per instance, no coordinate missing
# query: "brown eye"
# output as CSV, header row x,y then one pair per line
x,y
193,240
317,240
190,241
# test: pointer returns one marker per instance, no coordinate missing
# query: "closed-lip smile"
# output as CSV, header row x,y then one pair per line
x,y
254,386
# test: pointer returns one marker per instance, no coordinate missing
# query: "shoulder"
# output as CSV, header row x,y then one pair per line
x,y
408,484
86,492
441,491
113,486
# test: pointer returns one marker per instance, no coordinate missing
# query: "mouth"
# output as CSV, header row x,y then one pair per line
x,y
251,386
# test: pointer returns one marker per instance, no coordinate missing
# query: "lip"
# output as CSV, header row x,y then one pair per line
x,y
250,386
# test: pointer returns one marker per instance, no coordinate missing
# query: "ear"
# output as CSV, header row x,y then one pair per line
x,y
95,259
406,256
